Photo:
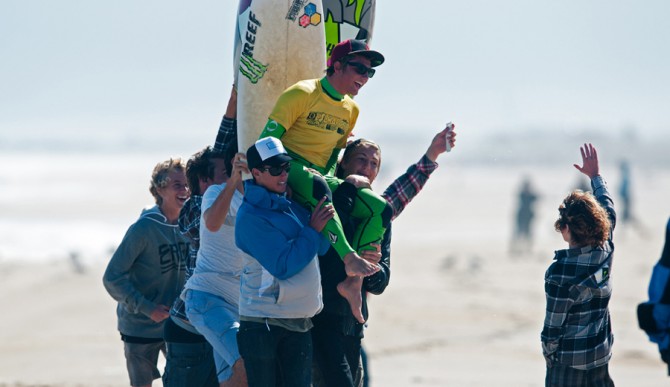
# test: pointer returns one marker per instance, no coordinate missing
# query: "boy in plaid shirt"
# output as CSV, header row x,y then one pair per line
x,y
577,335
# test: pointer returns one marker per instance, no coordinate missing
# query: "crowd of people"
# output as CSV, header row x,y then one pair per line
x,y
264,282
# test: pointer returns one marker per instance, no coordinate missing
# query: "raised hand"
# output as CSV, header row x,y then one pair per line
x,y
439,143
589,160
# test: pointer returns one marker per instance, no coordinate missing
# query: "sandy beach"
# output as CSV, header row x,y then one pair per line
x,y
460,311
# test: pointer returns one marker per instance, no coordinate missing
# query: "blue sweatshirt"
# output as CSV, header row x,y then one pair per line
x,y
281,277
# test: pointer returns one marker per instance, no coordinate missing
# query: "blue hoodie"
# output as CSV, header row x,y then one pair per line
x,y
281,277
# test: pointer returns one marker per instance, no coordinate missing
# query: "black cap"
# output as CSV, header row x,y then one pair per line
x,y
355,47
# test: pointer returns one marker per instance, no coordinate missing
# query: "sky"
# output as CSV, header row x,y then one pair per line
x,y
145,69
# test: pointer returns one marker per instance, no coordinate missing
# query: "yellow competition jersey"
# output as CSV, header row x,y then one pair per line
x,y
315,123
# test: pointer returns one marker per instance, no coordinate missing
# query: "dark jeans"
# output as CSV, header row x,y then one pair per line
x,y
266,347
190,365
336,357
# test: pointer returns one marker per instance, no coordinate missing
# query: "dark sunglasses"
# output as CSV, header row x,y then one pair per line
x,y
362,69
276,171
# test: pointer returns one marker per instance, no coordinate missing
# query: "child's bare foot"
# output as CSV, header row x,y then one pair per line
x,y
350,289
354,265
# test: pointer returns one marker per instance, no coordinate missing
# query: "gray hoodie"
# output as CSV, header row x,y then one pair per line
x,y
146,270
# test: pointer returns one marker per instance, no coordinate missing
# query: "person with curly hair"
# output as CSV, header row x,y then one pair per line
x,y
577,336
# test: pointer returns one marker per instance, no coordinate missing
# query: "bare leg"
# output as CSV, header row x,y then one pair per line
x,y
350,289
354,265
239,378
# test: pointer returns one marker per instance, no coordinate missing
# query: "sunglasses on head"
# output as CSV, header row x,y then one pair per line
x,y
276,171
362,69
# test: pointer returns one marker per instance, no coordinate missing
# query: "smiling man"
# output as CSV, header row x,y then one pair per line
x,y
313,119
147,271
280,286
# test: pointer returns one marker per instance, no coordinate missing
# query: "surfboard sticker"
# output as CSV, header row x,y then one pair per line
x,y
348,19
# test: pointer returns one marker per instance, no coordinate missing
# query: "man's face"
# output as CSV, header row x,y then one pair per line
x,y
276,184
351,81
176,192
219,175
364,160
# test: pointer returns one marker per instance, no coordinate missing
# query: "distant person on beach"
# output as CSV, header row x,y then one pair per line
x,y
625,192
628,217
313,119
280,283
190,357
577,334
146,272
522,240
337,333
654,315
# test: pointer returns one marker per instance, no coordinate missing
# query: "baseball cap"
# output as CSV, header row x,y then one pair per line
x,y
267,151
355,47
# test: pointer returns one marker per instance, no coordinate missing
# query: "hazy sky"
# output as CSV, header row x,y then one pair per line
x,y
102,67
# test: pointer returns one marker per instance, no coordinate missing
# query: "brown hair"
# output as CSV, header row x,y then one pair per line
x,y
159,176
587,219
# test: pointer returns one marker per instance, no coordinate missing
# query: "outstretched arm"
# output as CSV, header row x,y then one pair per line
x,y
408,185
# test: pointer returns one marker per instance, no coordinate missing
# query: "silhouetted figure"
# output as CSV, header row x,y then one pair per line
x,y
522,240
625,193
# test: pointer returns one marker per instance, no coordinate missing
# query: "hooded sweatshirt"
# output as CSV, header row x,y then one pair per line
x,y
281,274
146,270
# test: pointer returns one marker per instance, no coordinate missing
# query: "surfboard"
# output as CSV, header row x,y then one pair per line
x,y
278,43
348,19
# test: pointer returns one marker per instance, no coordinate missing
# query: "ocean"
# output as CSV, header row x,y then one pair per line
x,y
74,197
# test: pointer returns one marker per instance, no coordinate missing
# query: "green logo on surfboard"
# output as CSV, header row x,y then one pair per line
x,y
251,68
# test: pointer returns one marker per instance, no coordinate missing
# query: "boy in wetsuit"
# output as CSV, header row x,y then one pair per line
x,y
313,119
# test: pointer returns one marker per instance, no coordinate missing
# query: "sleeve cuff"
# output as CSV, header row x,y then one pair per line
x,y
597,183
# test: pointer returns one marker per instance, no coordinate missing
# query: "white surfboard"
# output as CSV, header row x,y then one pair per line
x,y
279,42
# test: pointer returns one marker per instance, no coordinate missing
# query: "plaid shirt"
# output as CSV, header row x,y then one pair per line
x,y
408,185
227,134
577,328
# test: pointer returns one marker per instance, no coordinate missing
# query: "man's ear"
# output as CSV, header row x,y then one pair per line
x,y
338,66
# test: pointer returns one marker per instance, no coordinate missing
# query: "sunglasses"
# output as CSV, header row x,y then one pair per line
x,y
362,69
276,171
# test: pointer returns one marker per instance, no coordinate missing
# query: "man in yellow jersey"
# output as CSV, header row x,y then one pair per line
x,y
313,119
